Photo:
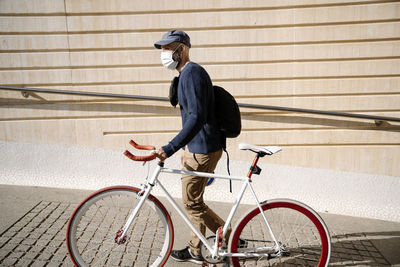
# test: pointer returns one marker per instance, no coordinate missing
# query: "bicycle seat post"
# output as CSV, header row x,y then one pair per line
x,y
254,168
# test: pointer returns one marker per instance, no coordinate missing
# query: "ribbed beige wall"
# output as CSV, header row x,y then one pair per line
x,y
334,55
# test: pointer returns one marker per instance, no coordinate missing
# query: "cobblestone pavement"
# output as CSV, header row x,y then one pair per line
x,y
38,239
354,249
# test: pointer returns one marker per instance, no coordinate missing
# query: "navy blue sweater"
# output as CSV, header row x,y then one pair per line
x,y
196,100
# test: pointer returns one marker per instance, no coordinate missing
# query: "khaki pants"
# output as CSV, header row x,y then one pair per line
x,y
192,195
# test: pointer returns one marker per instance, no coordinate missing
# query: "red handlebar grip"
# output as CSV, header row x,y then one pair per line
x,y
139,158
142,147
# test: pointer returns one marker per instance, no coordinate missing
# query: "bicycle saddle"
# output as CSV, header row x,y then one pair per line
x,y
269,150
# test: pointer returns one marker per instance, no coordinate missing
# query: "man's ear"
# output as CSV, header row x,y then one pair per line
x,y
182,48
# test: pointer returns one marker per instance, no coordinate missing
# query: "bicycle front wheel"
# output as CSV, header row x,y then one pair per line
x,y
299,230
95,224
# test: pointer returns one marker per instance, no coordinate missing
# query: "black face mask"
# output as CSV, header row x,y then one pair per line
x,y
173,92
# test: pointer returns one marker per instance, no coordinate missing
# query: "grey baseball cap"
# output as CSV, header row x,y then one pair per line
x,y
173,36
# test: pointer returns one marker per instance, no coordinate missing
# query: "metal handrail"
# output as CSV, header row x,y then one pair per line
x,y
25,93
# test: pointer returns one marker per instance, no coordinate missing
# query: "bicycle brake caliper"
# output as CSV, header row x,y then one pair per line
x,y
141,192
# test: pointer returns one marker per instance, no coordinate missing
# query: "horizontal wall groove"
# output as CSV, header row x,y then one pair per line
x,y
335,145
50,14
214,80
141,132
327,95
362,111
92,100
127,66
214,28
94,117
309,78
74,67
319,42
367,111
91,83
306,60
201,10
373,127
77,49
24,102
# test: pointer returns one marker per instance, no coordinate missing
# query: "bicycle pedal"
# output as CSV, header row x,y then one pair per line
x,y
219,236
276,255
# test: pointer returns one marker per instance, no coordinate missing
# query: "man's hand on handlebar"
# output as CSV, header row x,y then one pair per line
x,y
161,154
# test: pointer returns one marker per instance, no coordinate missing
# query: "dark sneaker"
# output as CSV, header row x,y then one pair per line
x,y
186,255
226,264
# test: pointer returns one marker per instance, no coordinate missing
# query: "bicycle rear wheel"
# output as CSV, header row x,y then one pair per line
x,y
95,223
298,229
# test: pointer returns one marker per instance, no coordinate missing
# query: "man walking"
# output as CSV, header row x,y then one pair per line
x,y
202,142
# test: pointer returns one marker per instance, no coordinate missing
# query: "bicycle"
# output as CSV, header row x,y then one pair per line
x,y
275,231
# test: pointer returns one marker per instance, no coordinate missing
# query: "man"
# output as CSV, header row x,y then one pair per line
x,y
203,141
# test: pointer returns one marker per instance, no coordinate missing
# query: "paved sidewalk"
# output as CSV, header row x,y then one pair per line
x,y
33,225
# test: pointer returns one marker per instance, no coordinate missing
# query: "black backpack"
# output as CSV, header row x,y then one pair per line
x,y
227,111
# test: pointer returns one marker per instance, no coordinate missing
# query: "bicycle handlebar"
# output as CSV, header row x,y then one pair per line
x,y
141,147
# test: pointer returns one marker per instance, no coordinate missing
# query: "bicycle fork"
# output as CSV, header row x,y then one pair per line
x,y
143,194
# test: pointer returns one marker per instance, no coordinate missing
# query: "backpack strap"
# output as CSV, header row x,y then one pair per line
x,y
173,92
228,169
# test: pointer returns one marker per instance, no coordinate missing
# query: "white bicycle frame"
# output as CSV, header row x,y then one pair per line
x,y
215,252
